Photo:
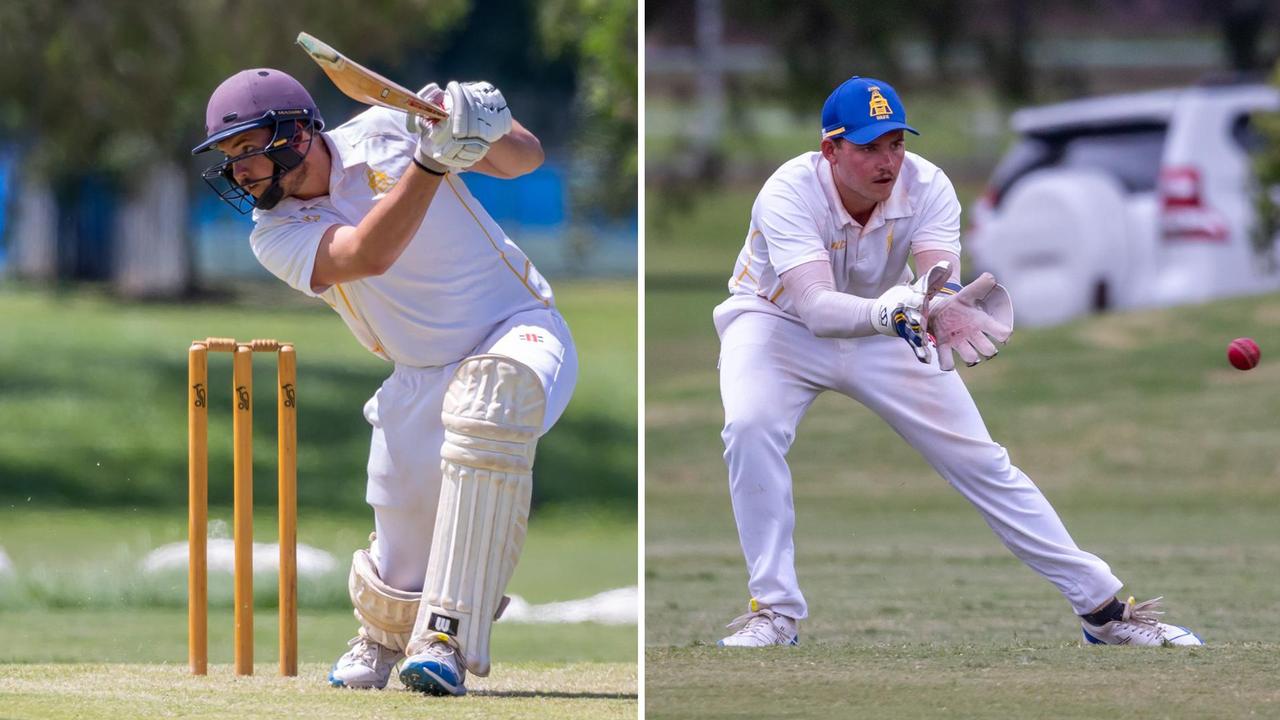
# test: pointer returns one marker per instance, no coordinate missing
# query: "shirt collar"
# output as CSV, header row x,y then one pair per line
x,y
897,206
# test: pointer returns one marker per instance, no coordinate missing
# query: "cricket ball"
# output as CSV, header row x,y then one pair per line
x,y
1244,353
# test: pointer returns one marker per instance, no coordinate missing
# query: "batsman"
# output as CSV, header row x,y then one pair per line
x,y
821,298
372,218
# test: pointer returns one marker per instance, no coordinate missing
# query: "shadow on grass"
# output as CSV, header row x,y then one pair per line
x,y
124,444
554,694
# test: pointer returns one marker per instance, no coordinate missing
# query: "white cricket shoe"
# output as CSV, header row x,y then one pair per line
x,y
1140,625
439,669
366,665
761,627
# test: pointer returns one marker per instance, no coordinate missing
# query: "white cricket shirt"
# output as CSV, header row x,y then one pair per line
x,y
458,279
798,218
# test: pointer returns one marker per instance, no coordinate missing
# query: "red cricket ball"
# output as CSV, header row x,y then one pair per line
x,y
1244,353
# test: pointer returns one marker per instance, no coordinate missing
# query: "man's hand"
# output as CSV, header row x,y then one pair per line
x,y
438,143
969,321
903,310
478,110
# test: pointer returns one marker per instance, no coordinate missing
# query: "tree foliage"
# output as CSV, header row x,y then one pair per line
x,y
601,35
118,85
1267,165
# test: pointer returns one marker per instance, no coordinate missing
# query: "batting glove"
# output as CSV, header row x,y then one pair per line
x,y
436,139
478,111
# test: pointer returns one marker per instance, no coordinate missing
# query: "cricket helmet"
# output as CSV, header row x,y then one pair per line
x,y
251,99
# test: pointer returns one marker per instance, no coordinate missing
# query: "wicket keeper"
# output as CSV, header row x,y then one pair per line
x,y
821,299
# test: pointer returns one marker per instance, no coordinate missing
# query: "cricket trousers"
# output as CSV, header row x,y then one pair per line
x,y
772,368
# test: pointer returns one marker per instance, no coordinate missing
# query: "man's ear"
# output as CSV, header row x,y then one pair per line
x,y
828,148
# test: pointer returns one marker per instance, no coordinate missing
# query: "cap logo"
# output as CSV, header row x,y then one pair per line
x,y
879,107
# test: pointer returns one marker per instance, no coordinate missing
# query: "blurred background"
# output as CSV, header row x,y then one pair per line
x,y
115,255
735,88
1116,163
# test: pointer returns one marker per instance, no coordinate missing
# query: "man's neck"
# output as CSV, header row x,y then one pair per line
x,y
858,207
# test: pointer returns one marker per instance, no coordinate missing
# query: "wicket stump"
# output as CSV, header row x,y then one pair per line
x,y
198,500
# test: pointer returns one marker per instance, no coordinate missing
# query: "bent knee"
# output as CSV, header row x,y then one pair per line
x,y
756,430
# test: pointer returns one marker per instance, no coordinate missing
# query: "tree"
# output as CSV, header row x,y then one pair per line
x,y
601,36
119,89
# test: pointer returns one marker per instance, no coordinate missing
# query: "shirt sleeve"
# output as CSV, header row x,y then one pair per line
x,y
287,245
825,311
939,227
789,227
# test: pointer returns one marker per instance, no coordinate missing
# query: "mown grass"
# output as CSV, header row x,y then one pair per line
x,y
92,406
93,476
1159,456
74,559
122,692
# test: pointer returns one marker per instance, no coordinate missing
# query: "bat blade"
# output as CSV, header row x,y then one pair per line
x,y
364,85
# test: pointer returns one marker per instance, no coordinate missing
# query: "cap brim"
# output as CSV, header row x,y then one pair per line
x,y
225,133
864,135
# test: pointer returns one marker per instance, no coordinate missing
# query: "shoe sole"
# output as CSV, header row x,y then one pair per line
x,y
335,682
429,677
794,642
1095,641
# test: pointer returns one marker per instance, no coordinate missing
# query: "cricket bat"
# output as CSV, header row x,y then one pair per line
x,y
366,86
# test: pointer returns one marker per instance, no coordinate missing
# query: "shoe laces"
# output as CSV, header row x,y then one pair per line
x,y
364,650
442,646
757,624
1143,617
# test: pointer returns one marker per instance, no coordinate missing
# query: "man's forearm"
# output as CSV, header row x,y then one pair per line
x,y
517,153
926,259
351,252
824,310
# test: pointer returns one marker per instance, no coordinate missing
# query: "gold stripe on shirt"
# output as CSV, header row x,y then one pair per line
x,y
523,281
746,266
377,344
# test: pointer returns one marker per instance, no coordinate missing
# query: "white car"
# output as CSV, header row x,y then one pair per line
x,y
1145,199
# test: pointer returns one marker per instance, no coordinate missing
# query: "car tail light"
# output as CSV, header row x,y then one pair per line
x,y
1183,214
983,207
1180,187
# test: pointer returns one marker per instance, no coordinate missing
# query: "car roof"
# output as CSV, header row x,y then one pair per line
x,y
1148,106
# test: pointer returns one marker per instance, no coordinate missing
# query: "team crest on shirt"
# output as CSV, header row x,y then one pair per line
x,y
531,337
310,218
879,107
379,182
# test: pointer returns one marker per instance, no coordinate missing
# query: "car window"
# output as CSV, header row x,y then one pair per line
x,y
1130,153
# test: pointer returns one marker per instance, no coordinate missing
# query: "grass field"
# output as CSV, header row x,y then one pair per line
x,y
531,690
93,477
93,411
77,598
1159,456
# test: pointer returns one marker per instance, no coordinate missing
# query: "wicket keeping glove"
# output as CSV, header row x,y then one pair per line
x,y
970,321
902,310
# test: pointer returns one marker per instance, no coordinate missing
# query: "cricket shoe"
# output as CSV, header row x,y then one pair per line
x,y
439,669
1140,625
761,627
366,665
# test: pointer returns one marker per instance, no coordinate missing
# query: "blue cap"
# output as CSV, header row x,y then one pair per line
x,y
863,109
